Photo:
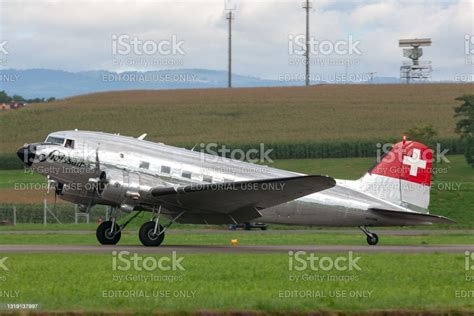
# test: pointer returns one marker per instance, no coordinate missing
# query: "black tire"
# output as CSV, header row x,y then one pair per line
x,y
248,226
146,235
373,240
103,233
263,228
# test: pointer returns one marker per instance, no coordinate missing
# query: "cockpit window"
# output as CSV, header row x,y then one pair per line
x,y
69,143
55,140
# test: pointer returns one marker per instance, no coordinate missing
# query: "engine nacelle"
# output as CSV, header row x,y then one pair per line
x,y
125,188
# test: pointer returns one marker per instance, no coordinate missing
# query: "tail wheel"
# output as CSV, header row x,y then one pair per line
x,y
105,235
149,237
372,240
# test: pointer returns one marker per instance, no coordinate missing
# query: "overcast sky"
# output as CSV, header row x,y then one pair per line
x,y
82,35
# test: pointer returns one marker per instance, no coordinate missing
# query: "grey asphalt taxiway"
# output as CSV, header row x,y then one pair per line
x,y
391,232
254,249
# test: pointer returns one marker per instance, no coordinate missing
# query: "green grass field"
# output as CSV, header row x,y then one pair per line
x,y
248,115
218,282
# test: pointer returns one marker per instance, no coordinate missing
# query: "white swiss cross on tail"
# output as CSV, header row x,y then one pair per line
x,y
409,160
414,162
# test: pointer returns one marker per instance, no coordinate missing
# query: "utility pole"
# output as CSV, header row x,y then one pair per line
x,y
307,5
230,16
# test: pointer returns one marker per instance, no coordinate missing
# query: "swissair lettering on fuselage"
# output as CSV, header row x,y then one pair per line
x,y
58,156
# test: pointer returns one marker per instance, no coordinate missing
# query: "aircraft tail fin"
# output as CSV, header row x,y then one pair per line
x,y
402,176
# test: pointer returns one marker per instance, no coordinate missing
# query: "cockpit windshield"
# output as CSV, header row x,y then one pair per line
x,y
55,140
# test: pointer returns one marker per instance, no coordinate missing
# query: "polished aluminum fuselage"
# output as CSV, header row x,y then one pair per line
x,y
147,163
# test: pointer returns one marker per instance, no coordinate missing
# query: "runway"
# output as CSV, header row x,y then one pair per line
x,y
257,249
391,232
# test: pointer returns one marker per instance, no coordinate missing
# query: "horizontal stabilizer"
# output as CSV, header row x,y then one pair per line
x,y
415,218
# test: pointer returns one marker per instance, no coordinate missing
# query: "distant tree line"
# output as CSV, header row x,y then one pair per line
x,y
5,98
465,125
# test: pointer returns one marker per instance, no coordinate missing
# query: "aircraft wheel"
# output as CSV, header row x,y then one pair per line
x,y
103,233
148,237
373,240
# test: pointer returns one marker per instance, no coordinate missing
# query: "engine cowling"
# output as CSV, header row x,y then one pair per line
x,y
124,188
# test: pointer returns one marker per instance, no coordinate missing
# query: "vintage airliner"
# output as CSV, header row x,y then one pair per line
x,y
185,186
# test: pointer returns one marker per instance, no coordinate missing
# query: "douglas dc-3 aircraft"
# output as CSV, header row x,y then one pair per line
x,y
132,174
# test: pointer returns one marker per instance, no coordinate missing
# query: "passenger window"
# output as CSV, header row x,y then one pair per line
x,y
144,165
186,174
165,169
69,143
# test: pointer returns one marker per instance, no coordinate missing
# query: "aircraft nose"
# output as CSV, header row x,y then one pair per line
x,y
27,154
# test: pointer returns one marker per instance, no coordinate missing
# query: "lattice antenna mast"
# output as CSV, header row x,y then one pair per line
x,y
416,69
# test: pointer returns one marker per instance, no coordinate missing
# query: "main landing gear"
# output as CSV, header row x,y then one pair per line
x,y
151,233
109,232
372,238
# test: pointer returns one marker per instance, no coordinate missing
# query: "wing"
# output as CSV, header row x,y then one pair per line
x,y
236,202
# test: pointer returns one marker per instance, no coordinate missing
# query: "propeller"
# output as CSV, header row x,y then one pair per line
x,y
99,181
57,187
